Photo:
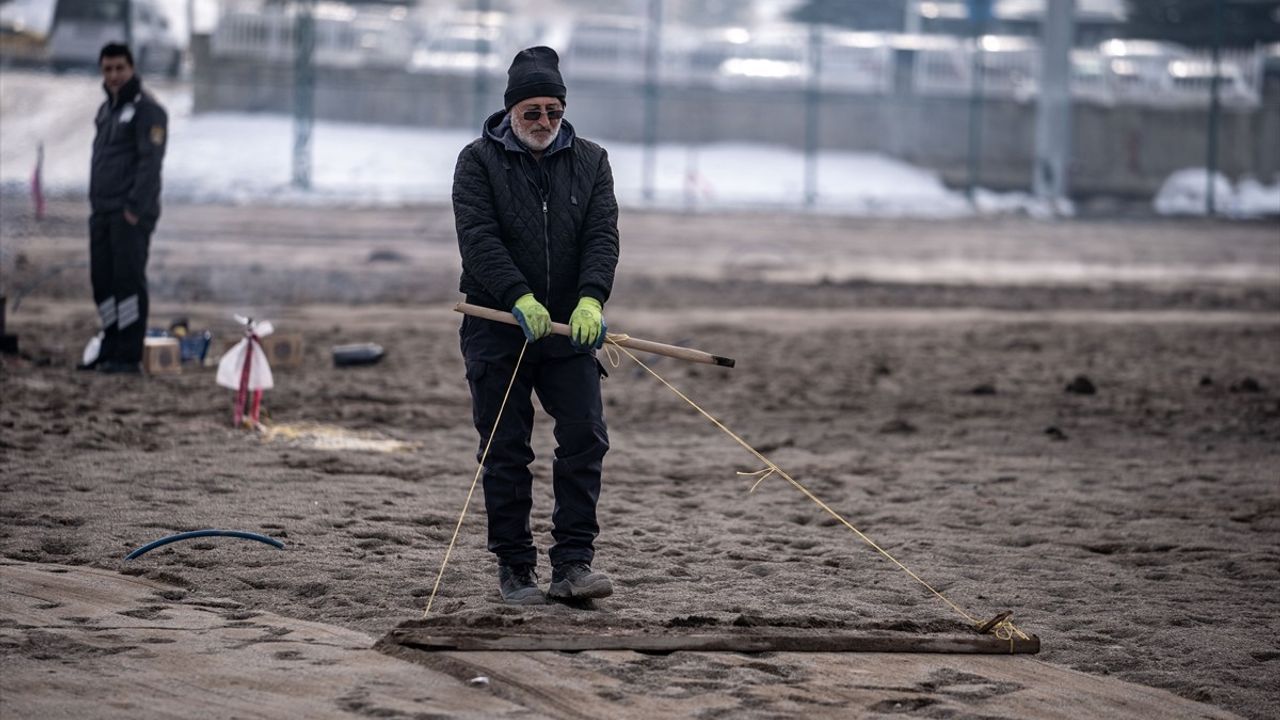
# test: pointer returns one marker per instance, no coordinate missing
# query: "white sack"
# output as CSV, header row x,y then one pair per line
x,y
91,350
231,366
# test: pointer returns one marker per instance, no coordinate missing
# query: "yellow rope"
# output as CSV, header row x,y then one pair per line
x,y
475,479
770,468
613,339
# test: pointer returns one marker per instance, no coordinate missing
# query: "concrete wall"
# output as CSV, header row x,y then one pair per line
x,y
1125,150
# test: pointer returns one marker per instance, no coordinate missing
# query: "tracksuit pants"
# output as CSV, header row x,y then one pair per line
x,y
567,383
118,271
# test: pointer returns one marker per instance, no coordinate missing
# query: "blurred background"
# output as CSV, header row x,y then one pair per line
x,y
879,107
1002,279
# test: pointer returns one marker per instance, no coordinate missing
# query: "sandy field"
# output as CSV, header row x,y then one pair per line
x,y
1135,530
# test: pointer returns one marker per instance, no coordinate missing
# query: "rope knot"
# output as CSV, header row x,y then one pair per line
x,y
615,360
1003,628
760,476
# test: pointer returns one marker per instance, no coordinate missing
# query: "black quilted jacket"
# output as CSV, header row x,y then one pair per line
x,y
548,227
128,151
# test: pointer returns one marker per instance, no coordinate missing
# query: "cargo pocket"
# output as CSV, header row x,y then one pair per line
x,y
476,370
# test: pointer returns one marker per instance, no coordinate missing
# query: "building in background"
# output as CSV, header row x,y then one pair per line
x,y
1095,20
1141,106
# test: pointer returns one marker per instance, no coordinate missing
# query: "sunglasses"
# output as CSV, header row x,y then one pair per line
x,y
532,115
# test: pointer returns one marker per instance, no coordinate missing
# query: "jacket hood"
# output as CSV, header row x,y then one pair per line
x,y
498,129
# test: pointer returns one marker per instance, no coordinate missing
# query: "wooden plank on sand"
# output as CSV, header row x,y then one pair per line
x,y
430,639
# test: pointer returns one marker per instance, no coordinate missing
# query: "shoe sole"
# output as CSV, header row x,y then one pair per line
x,y
566,591
531,599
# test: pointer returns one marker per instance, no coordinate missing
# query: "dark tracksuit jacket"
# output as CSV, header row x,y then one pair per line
x,y
128,150
549,227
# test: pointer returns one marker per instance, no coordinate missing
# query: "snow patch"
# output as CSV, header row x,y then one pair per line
x,y
1186,191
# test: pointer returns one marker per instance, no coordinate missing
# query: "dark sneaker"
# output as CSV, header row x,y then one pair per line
x,y
519,585
576,581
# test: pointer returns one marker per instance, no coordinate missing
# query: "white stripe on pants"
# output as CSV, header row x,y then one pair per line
x,y
107,312
128,311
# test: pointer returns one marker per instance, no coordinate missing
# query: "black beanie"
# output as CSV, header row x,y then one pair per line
x,y
535,72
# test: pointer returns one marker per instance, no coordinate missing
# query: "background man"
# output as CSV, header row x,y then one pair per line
x,y
124,194
537,226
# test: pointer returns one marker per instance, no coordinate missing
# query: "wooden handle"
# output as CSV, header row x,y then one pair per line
x,y
649,346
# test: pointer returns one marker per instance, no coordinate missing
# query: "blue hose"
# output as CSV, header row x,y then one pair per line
x,y
203,533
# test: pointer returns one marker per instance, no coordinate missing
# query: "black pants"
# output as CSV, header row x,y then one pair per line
x,y
118,270
567,383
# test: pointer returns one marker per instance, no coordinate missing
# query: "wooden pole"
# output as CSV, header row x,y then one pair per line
x,y
657,348
238,416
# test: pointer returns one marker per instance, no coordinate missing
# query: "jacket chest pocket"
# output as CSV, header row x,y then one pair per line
x,y
575,215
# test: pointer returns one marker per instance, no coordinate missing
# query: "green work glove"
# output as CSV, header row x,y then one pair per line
x,y
586,324
533,317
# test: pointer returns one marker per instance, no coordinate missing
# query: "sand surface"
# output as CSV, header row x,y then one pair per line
x,y
1136,530
84,642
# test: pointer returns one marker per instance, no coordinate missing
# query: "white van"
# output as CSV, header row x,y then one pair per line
x,y
81,27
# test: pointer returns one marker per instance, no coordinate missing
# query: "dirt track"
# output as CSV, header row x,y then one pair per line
x,y
1136,530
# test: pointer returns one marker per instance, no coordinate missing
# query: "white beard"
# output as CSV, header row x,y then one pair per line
x,y
531,142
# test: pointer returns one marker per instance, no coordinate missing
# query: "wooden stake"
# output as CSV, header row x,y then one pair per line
x,y
991,624
657,348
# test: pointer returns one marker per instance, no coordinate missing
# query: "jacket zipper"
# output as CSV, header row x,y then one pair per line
x,y
546,233
546,241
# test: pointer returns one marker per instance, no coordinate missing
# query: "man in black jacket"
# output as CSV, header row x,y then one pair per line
x,y
537,226
124,194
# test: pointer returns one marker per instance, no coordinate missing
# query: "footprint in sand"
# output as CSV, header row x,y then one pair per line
x,y
150,612
760,570
966,686
903,706
311,590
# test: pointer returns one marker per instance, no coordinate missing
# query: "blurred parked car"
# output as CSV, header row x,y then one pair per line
x,y
81,27
345,36
1195,75
1172,73
463,45
20,45
1010,66
23,31
855,61
732,58
606,48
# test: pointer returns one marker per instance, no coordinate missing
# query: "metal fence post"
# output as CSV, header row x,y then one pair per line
x,y
304,38
652,56
480,85
812,107
1053,111
979,11
1211,163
